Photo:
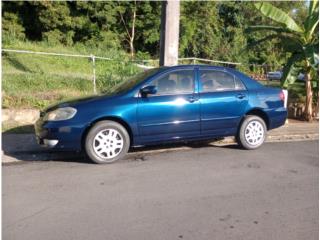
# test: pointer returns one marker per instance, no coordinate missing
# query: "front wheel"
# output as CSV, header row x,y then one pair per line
x,y
107,142
252,132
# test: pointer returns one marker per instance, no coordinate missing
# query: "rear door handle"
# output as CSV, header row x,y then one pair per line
x,y
240,95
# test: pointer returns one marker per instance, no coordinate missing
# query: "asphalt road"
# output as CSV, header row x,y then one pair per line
x,y
203,193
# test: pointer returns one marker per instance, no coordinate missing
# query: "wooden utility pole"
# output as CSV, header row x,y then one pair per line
x,y
169,35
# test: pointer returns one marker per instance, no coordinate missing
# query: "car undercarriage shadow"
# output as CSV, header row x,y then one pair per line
x,y
46,156
191,145
134,153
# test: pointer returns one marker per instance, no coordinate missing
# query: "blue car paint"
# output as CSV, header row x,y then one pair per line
x,y
158,119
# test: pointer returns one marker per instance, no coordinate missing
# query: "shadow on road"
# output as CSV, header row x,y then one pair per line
x,y
23,152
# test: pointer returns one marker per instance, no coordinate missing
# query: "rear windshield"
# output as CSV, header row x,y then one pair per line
x,y
249,82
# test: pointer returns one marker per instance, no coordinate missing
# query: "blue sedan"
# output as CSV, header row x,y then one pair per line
x,y
161,105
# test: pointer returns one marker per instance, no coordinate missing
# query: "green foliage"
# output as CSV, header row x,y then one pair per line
x,y
299,41
142,55
199,32
277,15
12,27
208,29
94,24
291,70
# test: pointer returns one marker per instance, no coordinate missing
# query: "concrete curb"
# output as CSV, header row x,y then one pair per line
x,y
293,137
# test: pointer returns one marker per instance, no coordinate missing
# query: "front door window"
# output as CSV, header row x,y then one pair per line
x,y
174,83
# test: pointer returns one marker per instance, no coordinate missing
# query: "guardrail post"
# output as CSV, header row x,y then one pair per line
x,y
93,58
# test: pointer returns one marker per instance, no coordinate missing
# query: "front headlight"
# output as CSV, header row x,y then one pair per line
x,y
60,114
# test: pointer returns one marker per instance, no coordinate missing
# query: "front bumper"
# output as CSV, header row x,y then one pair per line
x,y
60,135
49,143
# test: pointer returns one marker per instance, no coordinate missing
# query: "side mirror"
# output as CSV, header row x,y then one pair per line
x,y
148,90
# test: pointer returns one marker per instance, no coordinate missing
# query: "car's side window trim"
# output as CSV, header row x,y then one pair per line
x,y
227,90
169,72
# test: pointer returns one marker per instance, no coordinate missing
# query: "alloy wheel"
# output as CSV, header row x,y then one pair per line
x,y
254,133
108,143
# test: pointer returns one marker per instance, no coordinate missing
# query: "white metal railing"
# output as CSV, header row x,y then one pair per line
x,y
194,59
90,57
93,58
54,54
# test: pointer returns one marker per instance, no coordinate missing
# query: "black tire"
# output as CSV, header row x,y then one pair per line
x,y
105,126
241,139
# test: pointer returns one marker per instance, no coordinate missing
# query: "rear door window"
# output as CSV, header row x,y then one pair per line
x,y
219,81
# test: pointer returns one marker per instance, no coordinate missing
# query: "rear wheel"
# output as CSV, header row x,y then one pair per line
x,y
107,142
252,132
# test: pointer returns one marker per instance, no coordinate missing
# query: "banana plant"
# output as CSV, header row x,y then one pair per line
x,y
300,41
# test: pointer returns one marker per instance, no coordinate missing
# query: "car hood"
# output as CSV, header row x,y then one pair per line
x,y
77,101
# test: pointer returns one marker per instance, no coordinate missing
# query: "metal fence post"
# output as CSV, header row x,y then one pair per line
x,y
93,58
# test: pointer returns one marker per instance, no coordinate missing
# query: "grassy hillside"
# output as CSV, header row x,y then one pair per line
x,y
35,81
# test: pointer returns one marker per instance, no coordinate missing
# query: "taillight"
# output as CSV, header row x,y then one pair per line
x,y
282,96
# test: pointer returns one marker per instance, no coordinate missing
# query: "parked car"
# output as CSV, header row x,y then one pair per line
x,y
301,77
161,105
277,75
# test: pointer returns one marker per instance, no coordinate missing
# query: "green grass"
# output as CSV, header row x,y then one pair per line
x,y
36,81
27,90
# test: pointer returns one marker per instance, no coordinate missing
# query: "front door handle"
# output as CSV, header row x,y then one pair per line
x,y
192,99
240,95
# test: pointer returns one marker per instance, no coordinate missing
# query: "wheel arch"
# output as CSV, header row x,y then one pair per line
x,y
110,118
260,113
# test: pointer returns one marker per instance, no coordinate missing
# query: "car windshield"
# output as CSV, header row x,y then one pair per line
x,y
127,84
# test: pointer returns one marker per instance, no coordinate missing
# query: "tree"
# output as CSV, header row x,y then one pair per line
x,y
199,29
139,25
301,42
208,29
147,41
94,24
128,16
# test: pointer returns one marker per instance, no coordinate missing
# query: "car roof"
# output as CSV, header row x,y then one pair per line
x,y
201,66
198,65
